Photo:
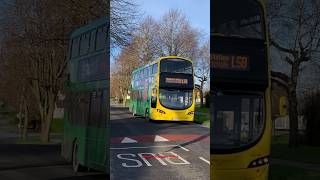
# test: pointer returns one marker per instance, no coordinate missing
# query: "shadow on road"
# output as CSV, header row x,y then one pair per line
x,y
85,177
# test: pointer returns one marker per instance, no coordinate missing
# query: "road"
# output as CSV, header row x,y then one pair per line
x,y
38,162
143,150
34,161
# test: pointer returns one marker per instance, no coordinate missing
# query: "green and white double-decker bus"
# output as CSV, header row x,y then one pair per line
x,y
86,118
164,90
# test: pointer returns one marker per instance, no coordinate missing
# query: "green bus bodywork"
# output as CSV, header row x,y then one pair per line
x,y
86,118
146,81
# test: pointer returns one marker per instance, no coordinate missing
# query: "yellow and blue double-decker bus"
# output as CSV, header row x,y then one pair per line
x,y
164,90
240,91
86,119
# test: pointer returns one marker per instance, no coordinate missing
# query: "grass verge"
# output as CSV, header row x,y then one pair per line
x,y
278,172
57,125
303,153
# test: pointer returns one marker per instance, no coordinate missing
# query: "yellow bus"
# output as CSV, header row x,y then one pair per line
x,y
164,90
240,91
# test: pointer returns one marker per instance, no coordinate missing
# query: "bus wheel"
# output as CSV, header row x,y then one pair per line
x,y
75,163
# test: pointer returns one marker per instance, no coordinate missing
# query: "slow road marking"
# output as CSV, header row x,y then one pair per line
x,y
129,160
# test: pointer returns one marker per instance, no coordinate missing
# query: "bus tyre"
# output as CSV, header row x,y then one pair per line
x,y
75,163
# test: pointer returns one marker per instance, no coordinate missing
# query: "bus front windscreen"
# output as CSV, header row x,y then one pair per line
x,y
238,121
175,99
234,18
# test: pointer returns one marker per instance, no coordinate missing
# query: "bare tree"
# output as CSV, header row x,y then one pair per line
x,y
123,22
37,42
176,36
202,68
294,28
126,62
146,40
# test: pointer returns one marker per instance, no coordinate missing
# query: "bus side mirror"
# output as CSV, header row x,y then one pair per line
x,y
153,101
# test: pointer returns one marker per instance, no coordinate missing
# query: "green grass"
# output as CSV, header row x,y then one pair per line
x,y
305,154
11,116
278,172
57,125
202,109
203,117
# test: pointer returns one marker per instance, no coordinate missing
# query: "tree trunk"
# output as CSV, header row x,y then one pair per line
x,y
20,117
45,130
293,106
26,122
201,93
47,120
124,97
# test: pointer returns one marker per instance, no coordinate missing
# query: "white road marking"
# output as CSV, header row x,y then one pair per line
x,y
160,139
140,147
203,159
183,148
128,140
143,159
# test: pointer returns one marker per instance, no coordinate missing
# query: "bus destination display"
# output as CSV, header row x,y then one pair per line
x,y
176,81
230,62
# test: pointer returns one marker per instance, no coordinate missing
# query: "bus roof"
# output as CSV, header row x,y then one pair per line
x,y
88,27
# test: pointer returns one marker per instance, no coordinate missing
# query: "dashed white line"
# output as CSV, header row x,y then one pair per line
x,y
183,148
203,159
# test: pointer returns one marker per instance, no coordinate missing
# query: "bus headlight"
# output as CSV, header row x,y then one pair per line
x,y
259,162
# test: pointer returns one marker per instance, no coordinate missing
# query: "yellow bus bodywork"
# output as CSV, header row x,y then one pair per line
x,y
234,166
165,114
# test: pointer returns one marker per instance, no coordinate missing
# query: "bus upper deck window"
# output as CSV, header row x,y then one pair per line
x,y
84,43
234,21
75,47
101,38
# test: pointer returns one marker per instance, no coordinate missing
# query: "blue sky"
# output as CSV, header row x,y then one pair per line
x,y
197,11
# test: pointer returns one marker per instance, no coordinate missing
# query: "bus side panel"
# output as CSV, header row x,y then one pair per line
x,y
148,103
66,146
